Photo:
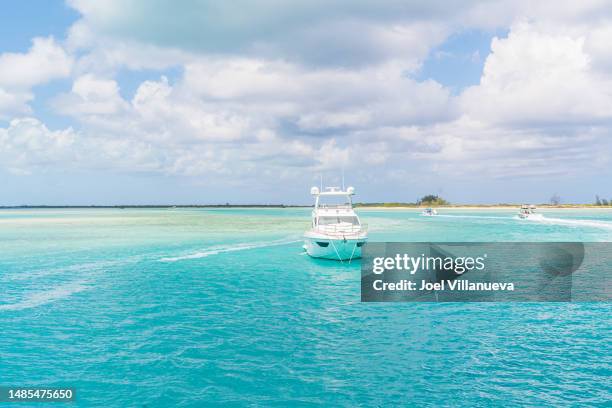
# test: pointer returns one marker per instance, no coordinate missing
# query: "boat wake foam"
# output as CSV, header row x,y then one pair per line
x,y
42,298
540,218
472,216
216,250
573,222
77,269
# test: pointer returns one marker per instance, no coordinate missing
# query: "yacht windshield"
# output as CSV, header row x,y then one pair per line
x,y
328,220
334,201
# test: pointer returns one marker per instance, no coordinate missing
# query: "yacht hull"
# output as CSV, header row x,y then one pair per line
x,y
333,248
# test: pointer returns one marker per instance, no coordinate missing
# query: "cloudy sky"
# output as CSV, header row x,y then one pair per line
x,y
132,102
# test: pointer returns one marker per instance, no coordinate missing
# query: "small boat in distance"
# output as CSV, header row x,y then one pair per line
x,y
429,212
336,231
528,211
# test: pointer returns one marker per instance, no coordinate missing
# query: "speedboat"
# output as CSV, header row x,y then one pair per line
x,y
429,212
336,231
528,211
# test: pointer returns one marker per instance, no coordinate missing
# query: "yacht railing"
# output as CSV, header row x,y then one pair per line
x,y
339,229
336,206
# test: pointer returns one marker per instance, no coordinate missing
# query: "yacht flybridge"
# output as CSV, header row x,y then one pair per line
x,y
336,231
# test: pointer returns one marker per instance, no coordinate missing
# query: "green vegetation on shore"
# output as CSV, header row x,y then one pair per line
x,y
499,205
359,205
436,201
432,201
429,200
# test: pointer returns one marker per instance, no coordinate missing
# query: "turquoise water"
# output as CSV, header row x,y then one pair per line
x,y
193,307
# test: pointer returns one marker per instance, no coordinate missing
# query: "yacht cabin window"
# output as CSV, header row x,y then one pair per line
x,y
330,220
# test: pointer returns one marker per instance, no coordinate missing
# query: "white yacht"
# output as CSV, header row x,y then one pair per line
x,y
429,212
336,231
528,211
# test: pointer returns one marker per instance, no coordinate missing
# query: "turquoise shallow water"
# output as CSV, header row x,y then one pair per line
x,y
192,307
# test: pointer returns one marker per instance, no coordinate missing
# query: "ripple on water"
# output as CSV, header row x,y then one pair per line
x,y
233,317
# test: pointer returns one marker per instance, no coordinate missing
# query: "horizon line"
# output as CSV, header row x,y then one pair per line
x,y
228,205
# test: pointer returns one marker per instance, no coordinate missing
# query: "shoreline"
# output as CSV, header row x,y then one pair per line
x,y
146,206
274,206
488,207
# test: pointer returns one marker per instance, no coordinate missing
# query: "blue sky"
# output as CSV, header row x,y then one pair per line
x,y
249,102
24,20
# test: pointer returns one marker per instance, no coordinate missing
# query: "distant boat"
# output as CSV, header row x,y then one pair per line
x,y
528,212
336,231
429,212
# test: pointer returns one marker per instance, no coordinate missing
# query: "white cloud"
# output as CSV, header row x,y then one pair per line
x,y
312,32
27,144
177,117
597,45
231,118
19,72
14,103
269,108
44,61
225,115
472,148
318,99
534,77
91,96
274,91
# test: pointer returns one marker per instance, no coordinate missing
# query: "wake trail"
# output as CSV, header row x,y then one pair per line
x,y
472,216
224,249
574,222
42,298
92,270
543,220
